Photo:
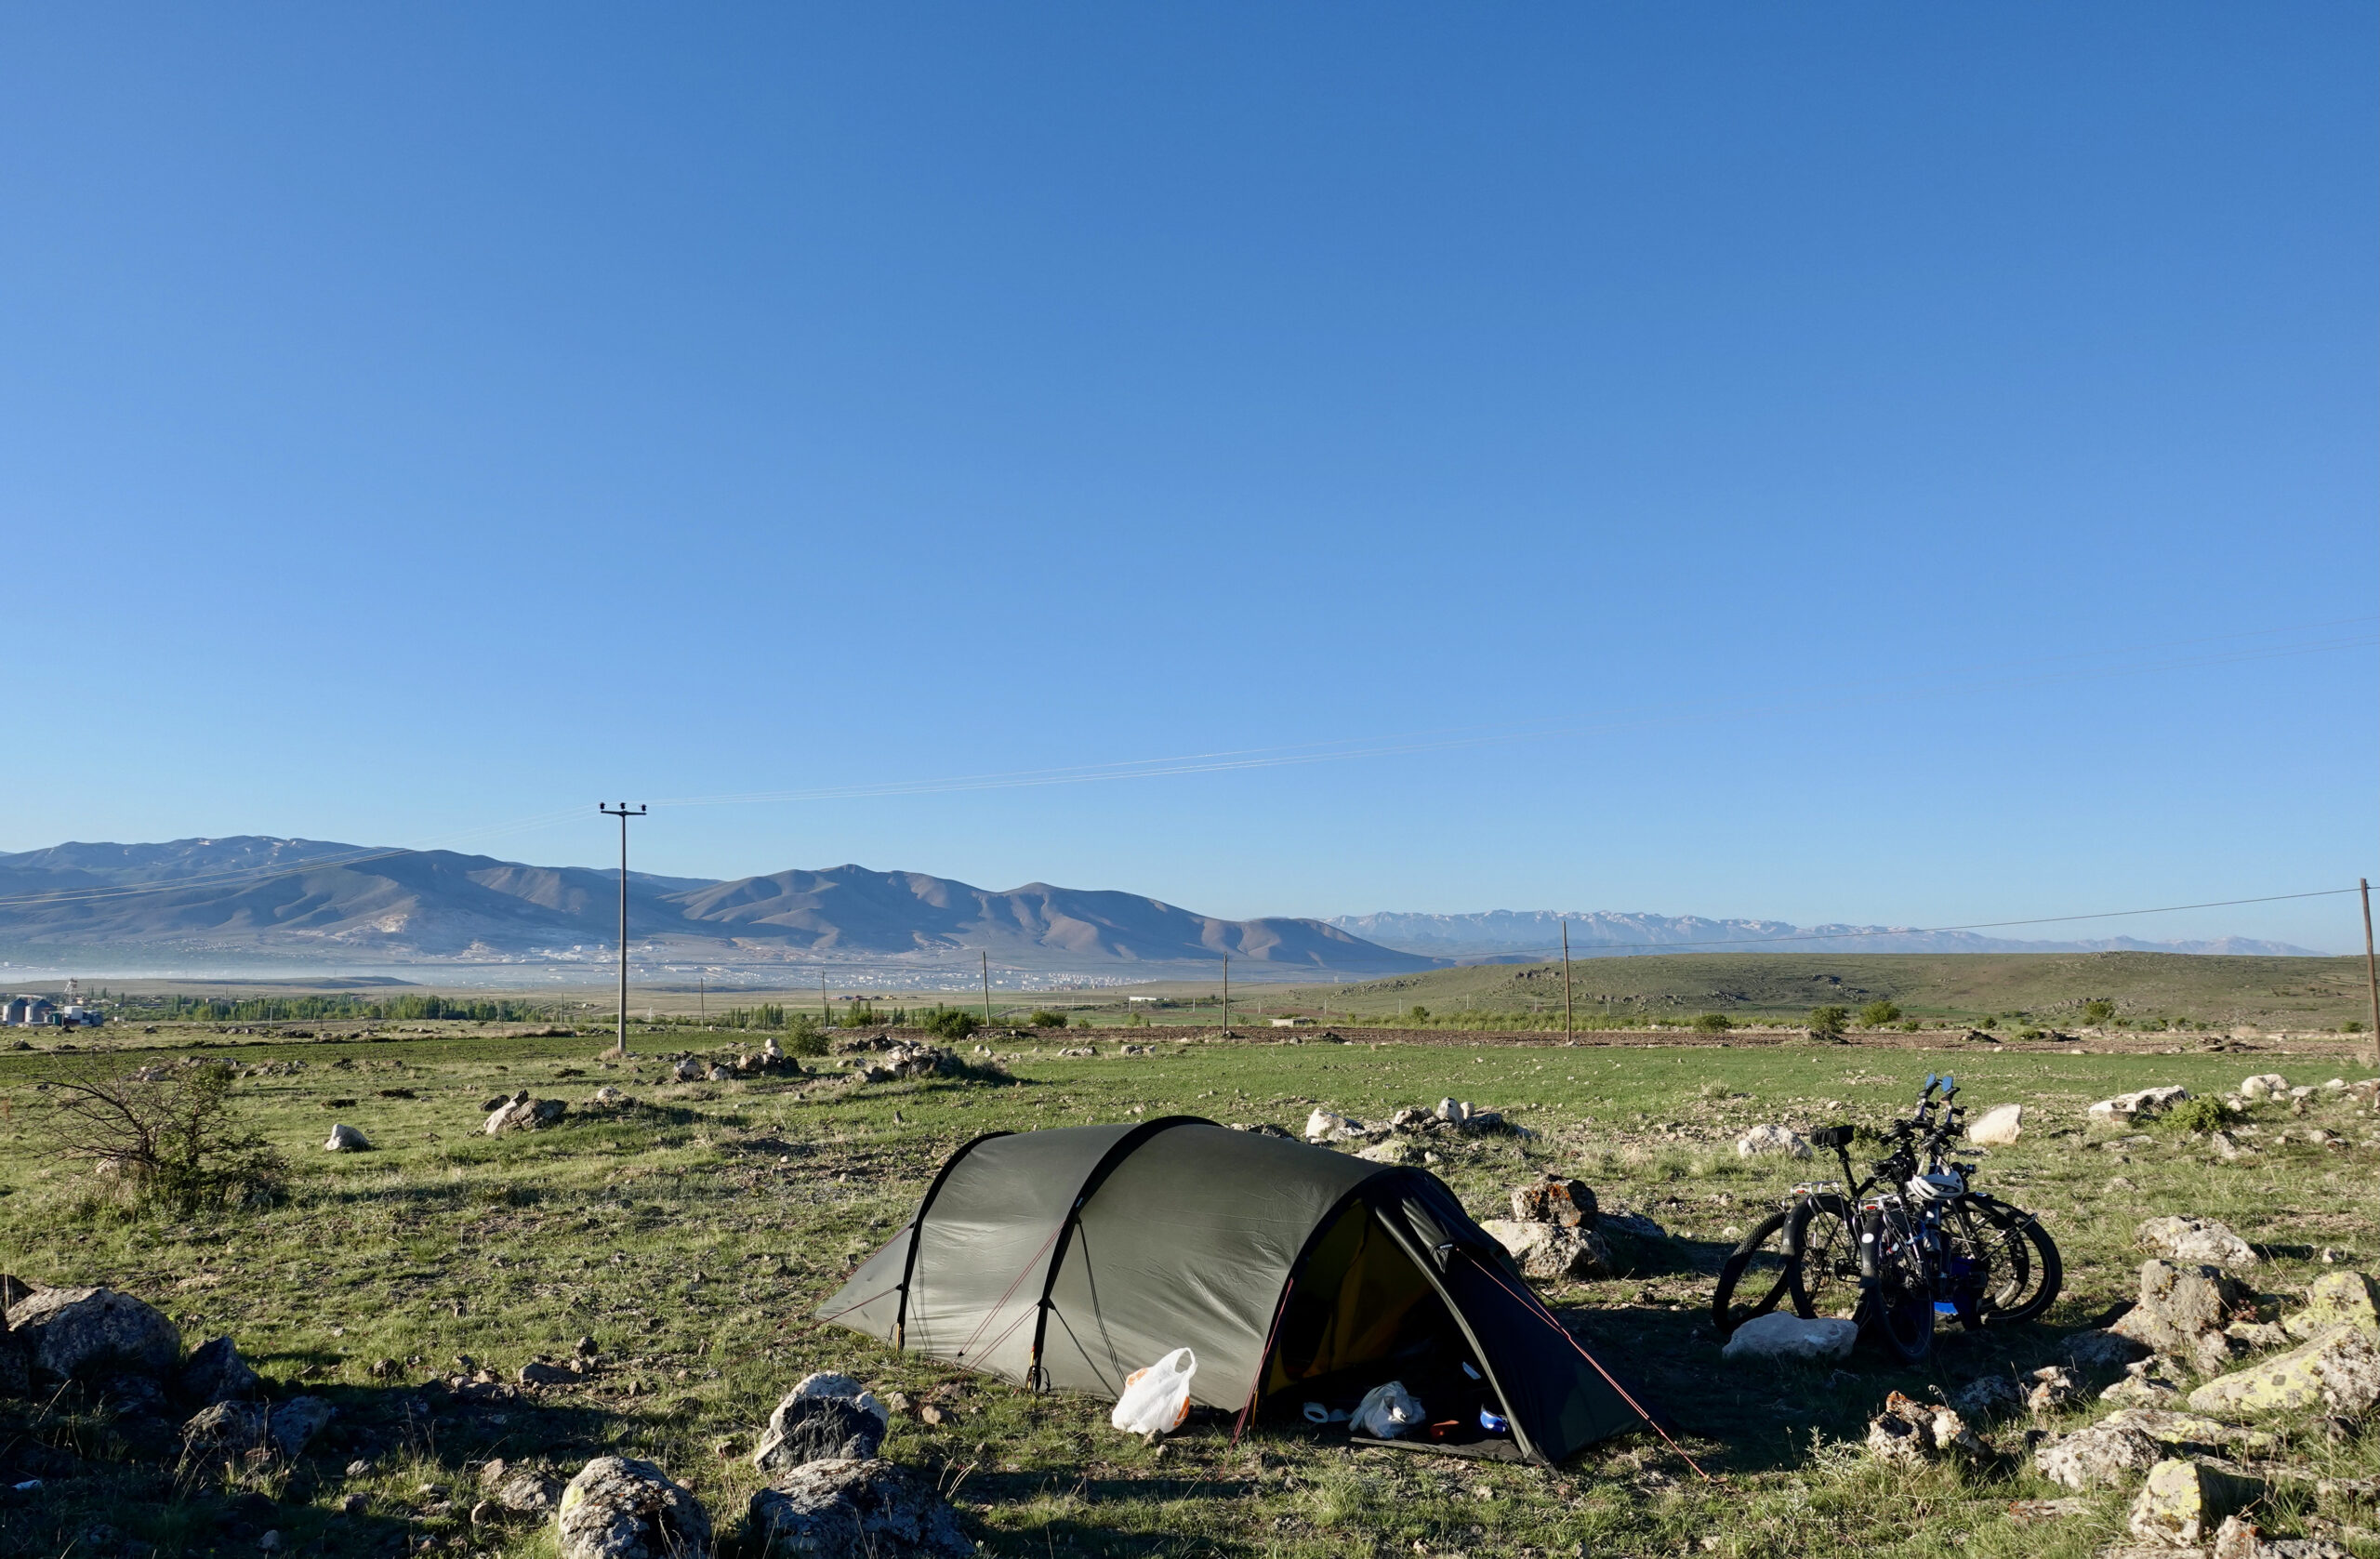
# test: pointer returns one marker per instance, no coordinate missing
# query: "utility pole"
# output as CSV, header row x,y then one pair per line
x,y
623,814
988,987
1226,994
702,997
2371,971
1568,1030
823,1013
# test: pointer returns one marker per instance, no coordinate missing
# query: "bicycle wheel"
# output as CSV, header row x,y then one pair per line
x,y
1825,1248
2033,1272
1898,1308
1755,1277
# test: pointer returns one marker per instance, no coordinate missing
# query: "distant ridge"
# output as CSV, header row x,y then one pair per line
x,y
315,900
1536,934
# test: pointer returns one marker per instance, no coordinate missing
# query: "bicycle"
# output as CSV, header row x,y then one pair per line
x,y
1913,1239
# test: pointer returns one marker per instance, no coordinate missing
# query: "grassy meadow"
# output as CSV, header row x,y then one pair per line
x,y
693,1230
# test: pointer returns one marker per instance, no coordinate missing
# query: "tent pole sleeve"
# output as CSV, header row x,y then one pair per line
x,y
918,1232
1123,1148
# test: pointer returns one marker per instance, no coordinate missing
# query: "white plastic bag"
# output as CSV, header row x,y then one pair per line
x,y
1387,1411
1156,1400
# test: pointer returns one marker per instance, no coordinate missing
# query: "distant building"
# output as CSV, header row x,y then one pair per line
x,y
38,1010
1292,1022
77,1015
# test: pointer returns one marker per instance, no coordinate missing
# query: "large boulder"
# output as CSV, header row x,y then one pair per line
x,y
1554,1200
1551,1251
1771,1139
216,1372
2196,1240
2182,1312
855,1509
2183,1500
1998,1127
1780,1336
80,1333
346,1139
818,1428
1909,1433
2337,1299
521,1112
294,1423
2106,1454
621,1508
1328,1125
2140,1104
2339,1370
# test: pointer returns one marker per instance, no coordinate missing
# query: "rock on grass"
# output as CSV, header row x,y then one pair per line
x,y
2196,1239
84,1332
828,1509
2338,1370
621,1508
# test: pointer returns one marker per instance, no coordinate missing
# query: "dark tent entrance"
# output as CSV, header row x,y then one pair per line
x,y
1067,1260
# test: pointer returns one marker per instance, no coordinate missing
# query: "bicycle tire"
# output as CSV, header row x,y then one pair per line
x,y
1763,1256
2045,1273
1825,1249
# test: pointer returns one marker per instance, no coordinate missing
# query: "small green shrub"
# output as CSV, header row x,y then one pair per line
x,y
803,1037
2098,1009
1419,1015
2194,1115
1712,1022
1044,1017
167,1136
1876,1015
1828,1023
951,1023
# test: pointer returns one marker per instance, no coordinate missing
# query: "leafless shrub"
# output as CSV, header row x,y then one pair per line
x,y
166,1134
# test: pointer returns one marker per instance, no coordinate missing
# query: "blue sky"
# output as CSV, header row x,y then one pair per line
x,y
1849,462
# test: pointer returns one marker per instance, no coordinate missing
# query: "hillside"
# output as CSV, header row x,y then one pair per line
x,y
314,900
1532,935
2296,992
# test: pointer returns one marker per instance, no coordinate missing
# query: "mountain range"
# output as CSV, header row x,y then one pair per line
x,y
1531,936
251,899
315,900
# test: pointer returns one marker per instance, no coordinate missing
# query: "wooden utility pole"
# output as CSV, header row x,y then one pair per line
x,y
622,813
987,987
2370,970
1568,1032
1226,994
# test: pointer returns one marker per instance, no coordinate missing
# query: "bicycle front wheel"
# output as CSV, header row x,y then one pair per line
x,y
1756,1277
1825,1249
2031,1271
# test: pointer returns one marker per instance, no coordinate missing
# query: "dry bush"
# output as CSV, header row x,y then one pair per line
x,y
167,1135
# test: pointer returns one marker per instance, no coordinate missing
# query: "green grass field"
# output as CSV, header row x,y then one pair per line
x,y
692,1233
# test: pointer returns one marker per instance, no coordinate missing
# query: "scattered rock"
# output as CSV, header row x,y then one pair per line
x,y
85,1332
2196,1239
346,1139
2337,1299
2048,1509
2142,1387
2099,1351
1989,1397
805,1429
607,1095
225,1427
846,1509
1909,1433
621,1508
2264,1085
1781,1336
538,1372
2141,1105
2054,1390
2103,1455
1554,1200
2184,1501
2227,1147
2240,1540
689,1071
1395,1150
294,1423
1552,1251
521,1112
1328,1126
2182,1312
1998,1127
2339,1370
216,1372
1771,1139
530,1493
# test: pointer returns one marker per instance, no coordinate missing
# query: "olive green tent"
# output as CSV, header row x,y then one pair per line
x,y
1068,1259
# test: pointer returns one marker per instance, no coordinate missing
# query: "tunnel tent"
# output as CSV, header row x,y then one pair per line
x,y
1067,1259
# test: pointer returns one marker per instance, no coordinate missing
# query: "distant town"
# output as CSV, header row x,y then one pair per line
x,y
40,1012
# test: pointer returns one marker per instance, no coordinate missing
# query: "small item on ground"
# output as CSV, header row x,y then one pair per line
x,y
1911,1434
1998,1127
2140,1104
1778,1335
1387,1411
1156,1400
1772,1138
346,1139
2196,1239
620,1508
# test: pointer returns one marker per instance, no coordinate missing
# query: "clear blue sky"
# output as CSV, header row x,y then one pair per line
x,y
414,419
